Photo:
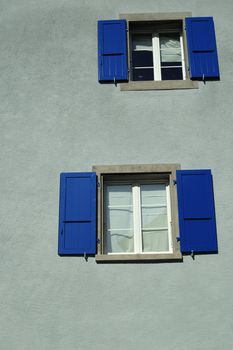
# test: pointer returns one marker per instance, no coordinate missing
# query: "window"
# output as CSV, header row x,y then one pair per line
x,y
130,213
157,54
136,220
157,51
137,217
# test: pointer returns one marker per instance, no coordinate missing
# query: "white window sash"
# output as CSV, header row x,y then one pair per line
x,y
157,58
137,225
169,219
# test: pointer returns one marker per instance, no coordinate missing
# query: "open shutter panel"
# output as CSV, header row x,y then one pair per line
x,y
112,51
77,219
202,49
196,211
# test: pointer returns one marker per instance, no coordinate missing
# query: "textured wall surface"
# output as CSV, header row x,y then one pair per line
x,y
56,117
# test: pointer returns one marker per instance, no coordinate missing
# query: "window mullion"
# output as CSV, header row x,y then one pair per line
x,y
156,56
169,219
137,219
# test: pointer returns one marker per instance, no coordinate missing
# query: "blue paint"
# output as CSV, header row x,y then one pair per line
x,y
202,49
77,217
196,211
112,51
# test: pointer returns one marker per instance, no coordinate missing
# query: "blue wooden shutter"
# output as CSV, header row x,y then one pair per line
x,y
112,51
202,49
196,211
77,218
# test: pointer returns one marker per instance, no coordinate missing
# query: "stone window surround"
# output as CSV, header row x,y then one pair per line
x,y
145,170
163,84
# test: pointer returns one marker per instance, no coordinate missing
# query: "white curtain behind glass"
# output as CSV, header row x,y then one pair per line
x,y
154,218
119,219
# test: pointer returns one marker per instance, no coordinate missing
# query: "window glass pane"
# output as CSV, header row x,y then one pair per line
x,y
142,42
142,56
152,194
142,59
143,74
155,241
118,219
169,40
119,241
170,57
170,49
154,218
119,195
171,74
171,64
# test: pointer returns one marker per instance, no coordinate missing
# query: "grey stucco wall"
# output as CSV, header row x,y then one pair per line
x,y
56,117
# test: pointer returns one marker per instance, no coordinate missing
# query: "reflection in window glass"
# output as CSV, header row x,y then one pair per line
x,y
142,57
170,56
157,56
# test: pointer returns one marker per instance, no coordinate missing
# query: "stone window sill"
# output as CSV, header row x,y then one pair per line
x,y
159,85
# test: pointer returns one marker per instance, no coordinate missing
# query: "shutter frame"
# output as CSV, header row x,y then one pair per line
x,y
112,54
197,221
202,48
77,214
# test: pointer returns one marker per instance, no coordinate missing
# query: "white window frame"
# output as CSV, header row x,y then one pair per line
x,y
137,224
157,56
156,53
118,174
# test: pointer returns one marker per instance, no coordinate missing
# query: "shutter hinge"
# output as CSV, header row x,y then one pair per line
x,y
98,184
98,241
178,239
174,182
